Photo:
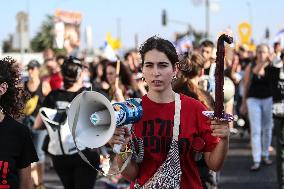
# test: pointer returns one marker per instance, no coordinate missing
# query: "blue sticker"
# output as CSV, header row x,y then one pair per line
x,y
94,118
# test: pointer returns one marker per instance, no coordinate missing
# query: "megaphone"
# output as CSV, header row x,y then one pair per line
x,y
208,84
229,89
93,119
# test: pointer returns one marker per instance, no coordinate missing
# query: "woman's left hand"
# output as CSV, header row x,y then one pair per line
x,y
220,129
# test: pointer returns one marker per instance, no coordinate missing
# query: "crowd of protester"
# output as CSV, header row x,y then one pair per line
x,y
257,78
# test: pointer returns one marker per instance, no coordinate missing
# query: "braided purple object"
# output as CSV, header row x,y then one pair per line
x,y
219,75
219,113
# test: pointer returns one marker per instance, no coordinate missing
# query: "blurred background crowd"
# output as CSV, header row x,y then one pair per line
x,y
253,87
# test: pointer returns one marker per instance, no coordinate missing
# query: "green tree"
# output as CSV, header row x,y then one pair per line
x,y
44,38
7,44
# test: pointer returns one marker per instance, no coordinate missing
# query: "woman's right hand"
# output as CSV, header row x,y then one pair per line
x,y
121,136
104,85
119,94
141,86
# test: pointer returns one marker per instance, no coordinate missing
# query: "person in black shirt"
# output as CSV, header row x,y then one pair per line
x,y
72,170
277,81
17,149
35,88
257,102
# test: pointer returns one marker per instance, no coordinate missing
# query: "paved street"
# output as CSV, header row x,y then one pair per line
x,y
235,175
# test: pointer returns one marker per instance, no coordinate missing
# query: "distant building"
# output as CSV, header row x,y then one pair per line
x,y
21,38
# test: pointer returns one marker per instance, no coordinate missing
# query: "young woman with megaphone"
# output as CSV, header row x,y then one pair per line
x,y
168,125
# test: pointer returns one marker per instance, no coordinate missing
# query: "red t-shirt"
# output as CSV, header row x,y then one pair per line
x,y
156,130
56,81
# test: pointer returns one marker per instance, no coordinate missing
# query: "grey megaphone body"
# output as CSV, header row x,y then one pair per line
x,y
92,118
208,84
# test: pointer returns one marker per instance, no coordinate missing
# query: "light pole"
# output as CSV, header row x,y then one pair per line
x,y
207,18
118,25
136,40
166,20
249,13
28,23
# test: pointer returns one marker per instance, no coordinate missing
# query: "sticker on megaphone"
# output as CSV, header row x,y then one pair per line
x,y
126,112
100,118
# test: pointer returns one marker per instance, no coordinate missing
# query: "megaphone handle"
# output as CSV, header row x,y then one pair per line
x,y
117,147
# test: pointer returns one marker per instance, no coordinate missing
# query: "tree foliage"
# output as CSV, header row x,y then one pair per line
x,y
44,38
7,44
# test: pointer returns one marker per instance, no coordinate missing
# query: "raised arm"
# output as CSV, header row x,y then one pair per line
x,y
246,83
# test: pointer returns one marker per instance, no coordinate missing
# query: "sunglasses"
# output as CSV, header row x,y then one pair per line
x,y
74,60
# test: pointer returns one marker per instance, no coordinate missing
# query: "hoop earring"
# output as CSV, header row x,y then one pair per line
x,y
174,78
1,110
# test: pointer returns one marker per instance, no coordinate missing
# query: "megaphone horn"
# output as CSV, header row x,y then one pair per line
x,y
98,118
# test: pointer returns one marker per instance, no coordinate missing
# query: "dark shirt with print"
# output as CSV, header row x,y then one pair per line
x,y
277,82
17,152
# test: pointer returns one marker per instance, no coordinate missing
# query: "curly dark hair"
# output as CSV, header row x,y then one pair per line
x,y
14,100
161,45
